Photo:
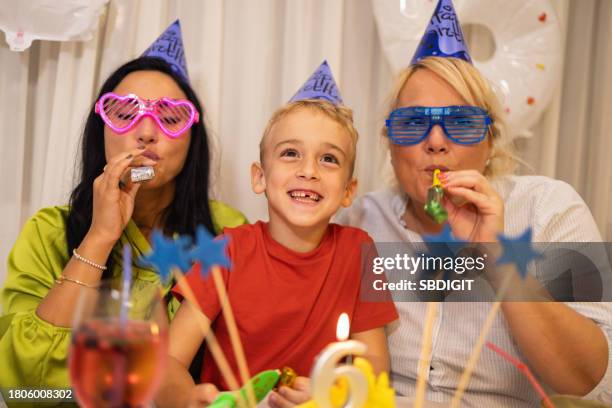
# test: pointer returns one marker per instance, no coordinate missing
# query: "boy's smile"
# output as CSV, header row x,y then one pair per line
x,y
305,196
305,172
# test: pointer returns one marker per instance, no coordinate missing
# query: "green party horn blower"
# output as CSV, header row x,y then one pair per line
x,y
433,206
262,383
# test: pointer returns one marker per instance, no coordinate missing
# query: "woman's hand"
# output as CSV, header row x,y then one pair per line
x,y
481,218
112,205
287,397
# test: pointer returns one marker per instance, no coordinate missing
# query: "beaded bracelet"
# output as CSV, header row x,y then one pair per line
x,y
63,279
87,261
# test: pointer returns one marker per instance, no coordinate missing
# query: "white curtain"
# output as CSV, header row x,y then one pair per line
x,y
245,59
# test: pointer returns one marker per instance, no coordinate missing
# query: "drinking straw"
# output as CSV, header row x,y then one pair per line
x,y
522,367
120,367
127,282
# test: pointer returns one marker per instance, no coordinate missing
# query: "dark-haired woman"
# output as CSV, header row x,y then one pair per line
x,y
62,249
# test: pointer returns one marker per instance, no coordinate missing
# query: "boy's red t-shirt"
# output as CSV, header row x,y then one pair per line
x,y
286,304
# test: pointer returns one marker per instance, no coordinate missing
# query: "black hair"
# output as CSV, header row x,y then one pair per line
x,y
190,206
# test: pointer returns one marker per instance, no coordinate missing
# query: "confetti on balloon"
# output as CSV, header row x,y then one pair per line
x,y
530,100
542,17
540,66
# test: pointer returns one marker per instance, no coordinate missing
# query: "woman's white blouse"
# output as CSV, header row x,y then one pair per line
x,y
556,213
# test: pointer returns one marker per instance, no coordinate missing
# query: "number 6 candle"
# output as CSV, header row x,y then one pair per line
x,y
326,369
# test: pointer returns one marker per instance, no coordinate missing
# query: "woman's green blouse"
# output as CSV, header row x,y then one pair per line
x,y
33,352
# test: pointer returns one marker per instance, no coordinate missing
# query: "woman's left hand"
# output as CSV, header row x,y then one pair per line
x,y
481,218
287,397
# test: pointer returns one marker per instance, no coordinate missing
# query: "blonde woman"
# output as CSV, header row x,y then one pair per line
x,y
567,345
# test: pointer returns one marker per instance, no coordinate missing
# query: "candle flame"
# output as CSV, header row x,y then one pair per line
x,y
342,329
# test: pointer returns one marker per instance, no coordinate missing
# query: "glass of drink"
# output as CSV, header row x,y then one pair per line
x,y
119,347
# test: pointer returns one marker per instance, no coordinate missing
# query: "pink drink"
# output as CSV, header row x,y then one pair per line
x,y
114,366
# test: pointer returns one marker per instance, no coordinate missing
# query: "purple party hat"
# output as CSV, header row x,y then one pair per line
x,y
443,36
169,47
320,85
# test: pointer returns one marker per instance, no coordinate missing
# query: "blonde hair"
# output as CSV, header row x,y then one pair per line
x,y
342,115
468,82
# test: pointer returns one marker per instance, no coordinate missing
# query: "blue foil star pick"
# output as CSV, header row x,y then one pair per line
x,y
444,244
167,254
209,251
518,251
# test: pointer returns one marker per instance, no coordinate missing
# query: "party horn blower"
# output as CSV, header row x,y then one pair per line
x,y
433,206
261,384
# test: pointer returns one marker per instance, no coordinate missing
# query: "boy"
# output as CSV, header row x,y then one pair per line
x,y
291,277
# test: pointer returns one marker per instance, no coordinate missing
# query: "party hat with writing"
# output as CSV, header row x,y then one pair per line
x,y
169,47
443,36
320,85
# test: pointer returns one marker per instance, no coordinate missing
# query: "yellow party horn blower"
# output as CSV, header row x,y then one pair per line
x,y
433,206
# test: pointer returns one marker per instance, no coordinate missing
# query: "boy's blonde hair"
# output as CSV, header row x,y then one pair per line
x,y
476,91
338,113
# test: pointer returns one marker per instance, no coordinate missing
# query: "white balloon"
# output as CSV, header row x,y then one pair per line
x,y
526,64
24,21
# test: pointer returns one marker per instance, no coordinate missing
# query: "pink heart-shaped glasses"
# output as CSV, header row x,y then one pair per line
x,y
121,113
